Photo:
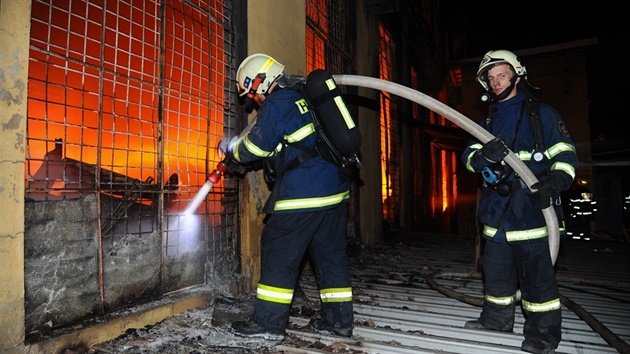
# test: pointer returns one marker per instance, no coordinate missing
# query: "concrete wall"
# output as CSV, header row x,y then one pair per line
x,y
371,213
275,28
14,41
61,261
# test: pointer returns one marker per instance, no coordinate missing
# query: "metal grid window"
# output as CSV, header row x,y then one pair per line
x,y
327,48
326,42
126,104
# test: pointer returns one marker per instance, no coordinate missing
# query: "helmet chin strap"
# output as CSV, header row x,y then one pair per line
x,y
505,92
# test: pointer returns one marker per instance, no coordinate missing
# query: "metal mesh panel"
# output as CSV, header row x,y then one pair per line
x,y
126,104
326,42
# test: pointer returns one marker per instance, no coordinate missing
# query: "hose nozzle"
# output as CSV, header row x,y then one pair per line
x,y
219,171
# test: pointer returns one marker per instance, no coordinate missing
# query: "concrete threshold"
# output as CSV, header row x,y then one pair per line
x,y
117,324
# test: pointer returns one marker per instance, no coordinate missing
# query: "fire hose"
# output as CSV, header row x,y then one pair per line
x,y
519,167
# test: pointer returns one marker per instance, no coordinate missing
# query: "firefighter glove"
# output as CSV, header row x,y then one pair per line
x,y
226,146
494,150
544,193
234,167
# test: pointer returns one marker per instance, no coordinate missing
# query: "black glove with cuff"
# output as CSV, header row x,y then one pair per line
x,y
234,167
546,192
494,151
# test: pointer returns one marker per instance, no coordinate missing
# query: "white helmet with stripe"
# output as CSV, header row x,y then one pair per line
x,y
494,57
257,73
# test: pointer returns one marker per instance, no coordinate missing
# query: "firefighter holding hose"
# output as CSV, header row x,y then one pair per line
x,y
516,251
307,209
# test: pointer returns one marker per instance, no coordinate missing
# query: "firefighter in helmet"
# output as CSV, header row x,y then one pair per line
x,y
516,251
307,207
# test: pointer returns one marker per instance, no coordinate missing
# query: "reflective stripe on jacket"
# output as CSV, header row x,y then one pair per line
x,y
315,184
514,213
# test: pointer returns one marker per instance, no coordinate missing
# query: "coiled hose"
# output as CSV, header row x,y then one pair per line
x,y
528,177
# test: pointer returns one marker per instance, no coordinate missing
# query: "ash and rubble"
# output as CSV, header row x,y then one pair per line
x,y
208,330
203,330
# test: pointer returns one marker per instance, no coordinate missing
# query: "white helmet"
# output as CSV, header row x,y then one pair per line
x,y
256,74
494,57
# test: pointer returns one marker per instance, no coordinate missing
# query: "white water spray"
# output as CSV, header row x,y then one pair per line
x,y
213,178
199,197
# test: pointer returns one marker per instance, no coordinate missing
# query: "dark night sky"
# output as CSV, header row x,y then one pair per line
x,y
528,24
501,24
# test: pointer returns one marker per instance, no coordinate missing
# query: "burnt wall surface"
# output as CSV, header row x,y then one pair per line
x,y
60,262
63,275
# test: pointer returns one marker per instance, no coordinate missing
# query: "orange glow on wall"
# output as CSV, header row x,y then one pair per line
x,y
445,174
445,163
317,15
454,162
386,147
102,115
